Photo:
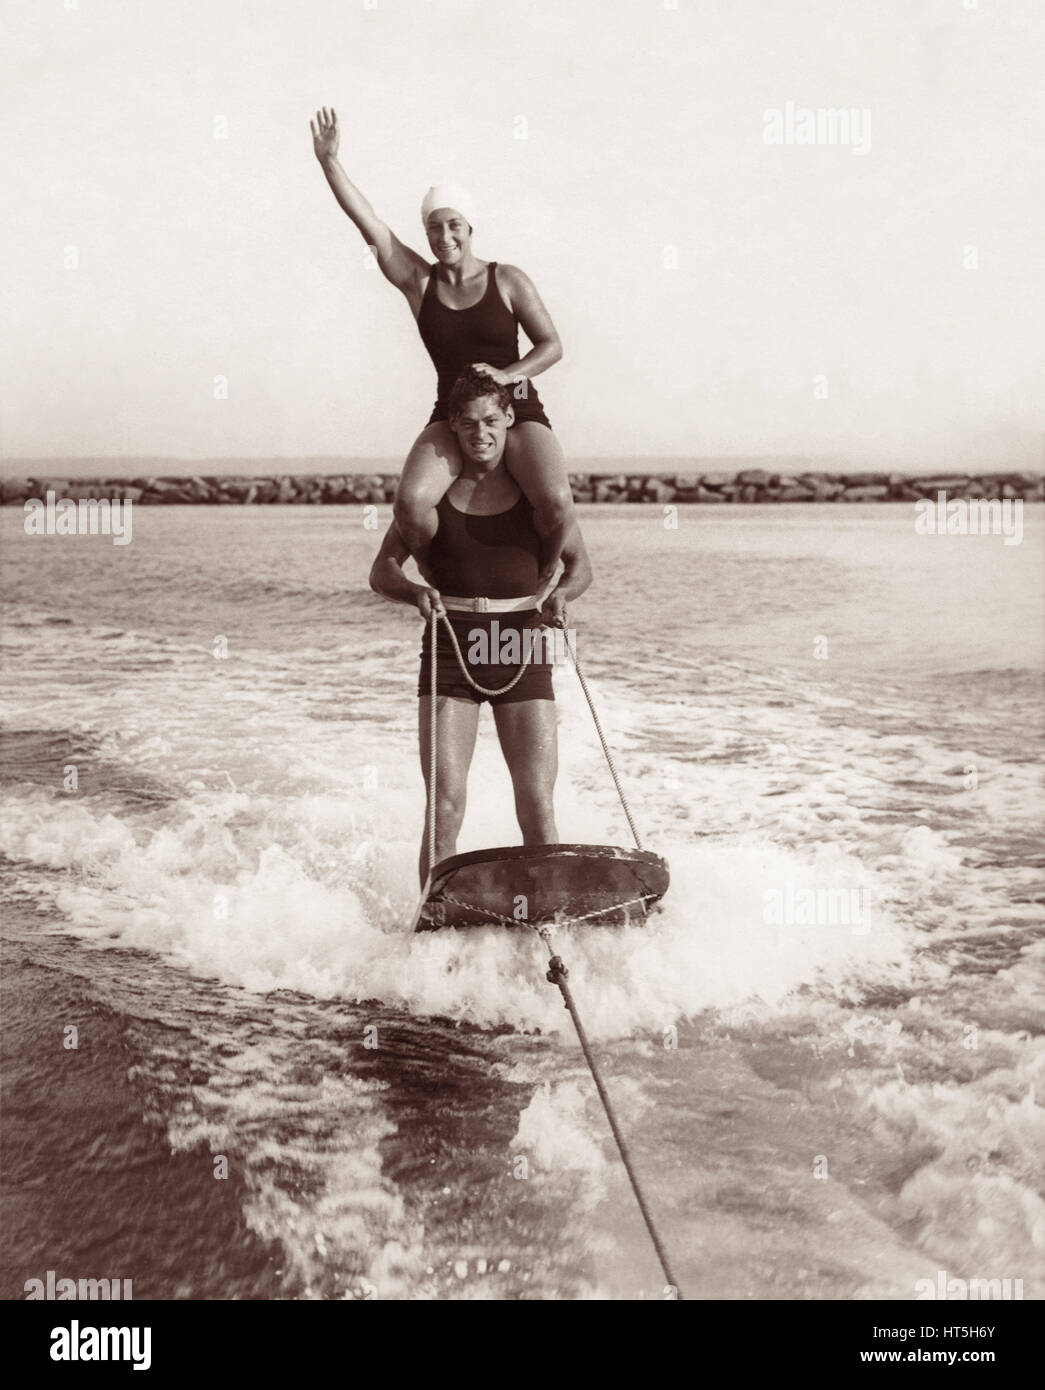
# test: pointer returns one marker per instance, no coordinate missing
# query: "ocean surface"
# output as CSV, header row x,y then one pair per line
x,y
212,804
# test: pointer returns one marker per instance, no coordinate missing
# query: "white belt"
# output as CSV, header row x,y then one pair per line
x,y
490,605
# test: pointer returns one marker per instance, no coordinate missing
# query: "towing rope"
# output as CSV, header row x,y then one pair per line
x,y
557,973
468,675
598,730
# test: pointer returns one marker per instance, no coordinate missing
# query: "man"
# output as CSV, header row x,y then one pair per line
x,y
484,566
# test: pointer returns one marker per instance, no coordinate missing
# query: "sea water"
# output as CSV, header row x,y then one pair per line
x,y
232,1072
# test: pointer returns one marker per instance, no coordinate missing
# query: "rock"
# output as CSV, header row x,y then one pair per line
x,y
753,477
607,492
795,493
866,494
866,480
686,482
284,490
705,494
168,496
897,484
583,494
954,483
15,489
750,493
823,489
59,486
717,480
656,490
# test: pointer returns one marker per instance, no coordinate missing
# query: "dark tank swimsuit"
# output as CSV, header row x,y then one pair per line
x,y
484,332
496,555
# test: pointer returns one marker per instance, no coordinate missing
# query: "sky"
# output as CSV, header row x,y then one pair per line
x,y
881,299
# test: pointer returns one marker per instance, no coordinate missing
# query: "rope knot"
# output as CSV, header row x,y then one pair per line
x,y
556,970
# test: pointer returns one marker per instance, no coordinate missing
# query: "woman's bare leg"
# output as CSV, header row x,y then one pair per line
x,y
535,460
432,464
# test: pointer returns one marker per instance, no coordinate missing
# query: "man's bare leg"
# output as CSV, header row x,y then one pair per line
x,y
528,733
456,724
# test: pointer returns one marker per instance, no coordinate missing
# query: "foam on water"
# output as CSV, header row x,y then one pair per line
x,y
258,892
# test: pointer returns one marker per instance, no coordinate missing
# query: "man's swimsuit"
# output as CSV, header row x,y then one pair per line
x,y
484,332
493,556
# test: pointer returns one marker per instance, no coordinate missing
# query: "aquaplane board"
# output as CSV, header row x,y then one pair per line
x,y
519,885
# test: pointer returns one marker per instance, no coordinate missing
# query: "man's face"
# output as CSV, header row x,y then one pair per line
x,y
481,429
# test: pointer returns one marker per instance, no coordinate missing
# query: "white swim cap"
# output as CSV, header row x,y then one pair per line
x,y
448,195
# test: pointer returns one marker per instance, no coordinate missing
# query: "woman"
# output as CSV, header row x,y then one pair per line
x,y
464,307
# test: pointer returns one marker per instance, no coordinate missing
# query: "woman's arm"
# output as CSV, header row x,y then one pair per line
x,y
520,294
388,580
400,265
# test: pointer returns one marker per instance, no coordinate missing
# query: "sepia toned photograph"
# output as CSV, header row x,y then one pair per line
x,y
522,662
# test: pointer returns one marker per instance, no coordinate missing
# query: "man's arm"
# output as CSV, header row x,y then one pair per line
x,y
575,578
388,579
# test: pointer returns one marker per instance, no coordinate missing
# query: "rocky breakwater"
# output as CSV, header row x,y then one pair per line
x,y
754,485
286,488
750,485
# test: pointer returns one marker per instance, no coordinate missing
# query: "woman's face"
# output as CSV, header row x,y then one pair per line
x,y
449,235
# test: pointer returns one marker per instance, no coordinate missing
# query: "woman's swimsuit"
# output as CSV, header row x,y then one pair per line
x,y
484,332
497,556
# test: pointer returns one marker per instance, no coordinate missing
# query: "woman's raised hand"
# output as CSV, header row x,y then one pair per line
x,y
325,133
